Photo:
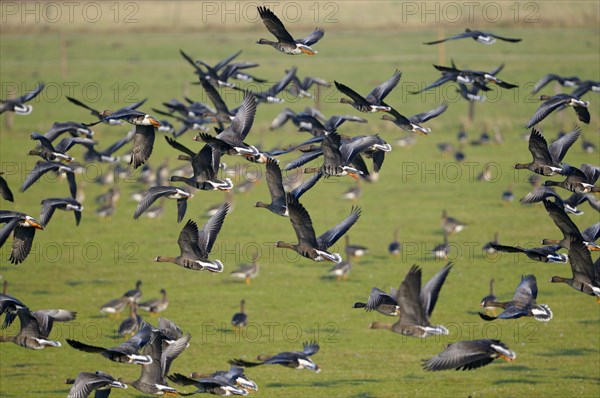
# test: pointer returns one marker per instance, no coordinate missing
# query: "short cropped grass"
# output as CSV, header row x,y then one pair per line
x,y
293,300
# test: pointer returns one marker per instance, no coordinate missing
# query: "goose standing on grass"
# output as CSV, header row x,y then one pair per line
x,y
133,295
450,224
87,382
42,167
157,305
5,192
274,179
374,101
132,324
195,246
586,274
285,42
477,35
578,180
413,123
416,305
491,297
556,102
488,246
309,245
126,352
442,250
395,248
17,105
35,326
354,250
113,307
240,319
342,269
64,204
522,304
23,228
469,354
155,193
547,159
294,359
544,254
247,271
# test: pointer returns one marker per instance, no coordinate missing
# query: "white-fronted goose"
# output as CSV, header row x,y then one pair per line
x,y
240,319
86,382
547,159
24,227
247,271
205,165
544,254
552,103
294,359
395,248
35,326
132,324
156,305
577,180
64,204
126,352
195,246
153,375
522,304
18,105
469,354
413,123
168,192
274,179
416,305
381,302
450,224
309,245
208,385
571,81
42,167
477,35
491,297
285,42
374,101
586,274
5,192
231,139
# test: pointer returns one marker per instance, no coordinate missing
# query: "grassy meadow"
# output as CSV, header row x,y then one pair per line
x,y
131,51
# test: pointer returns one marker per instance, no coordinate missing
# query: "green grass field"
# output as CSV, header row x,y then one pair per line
x,y
109,64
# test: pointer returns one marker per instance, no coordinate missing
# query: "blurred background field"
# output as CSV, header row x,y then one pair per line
x,y
116,53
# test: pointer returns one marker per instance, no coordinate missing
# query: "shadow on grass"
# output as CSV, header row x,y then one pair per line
x,y
515,381
514,368
329,383
570,352
92,282
581,378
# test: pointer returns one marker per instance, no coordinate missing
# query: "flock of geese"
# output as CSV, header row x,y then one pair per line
x,y
154,348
